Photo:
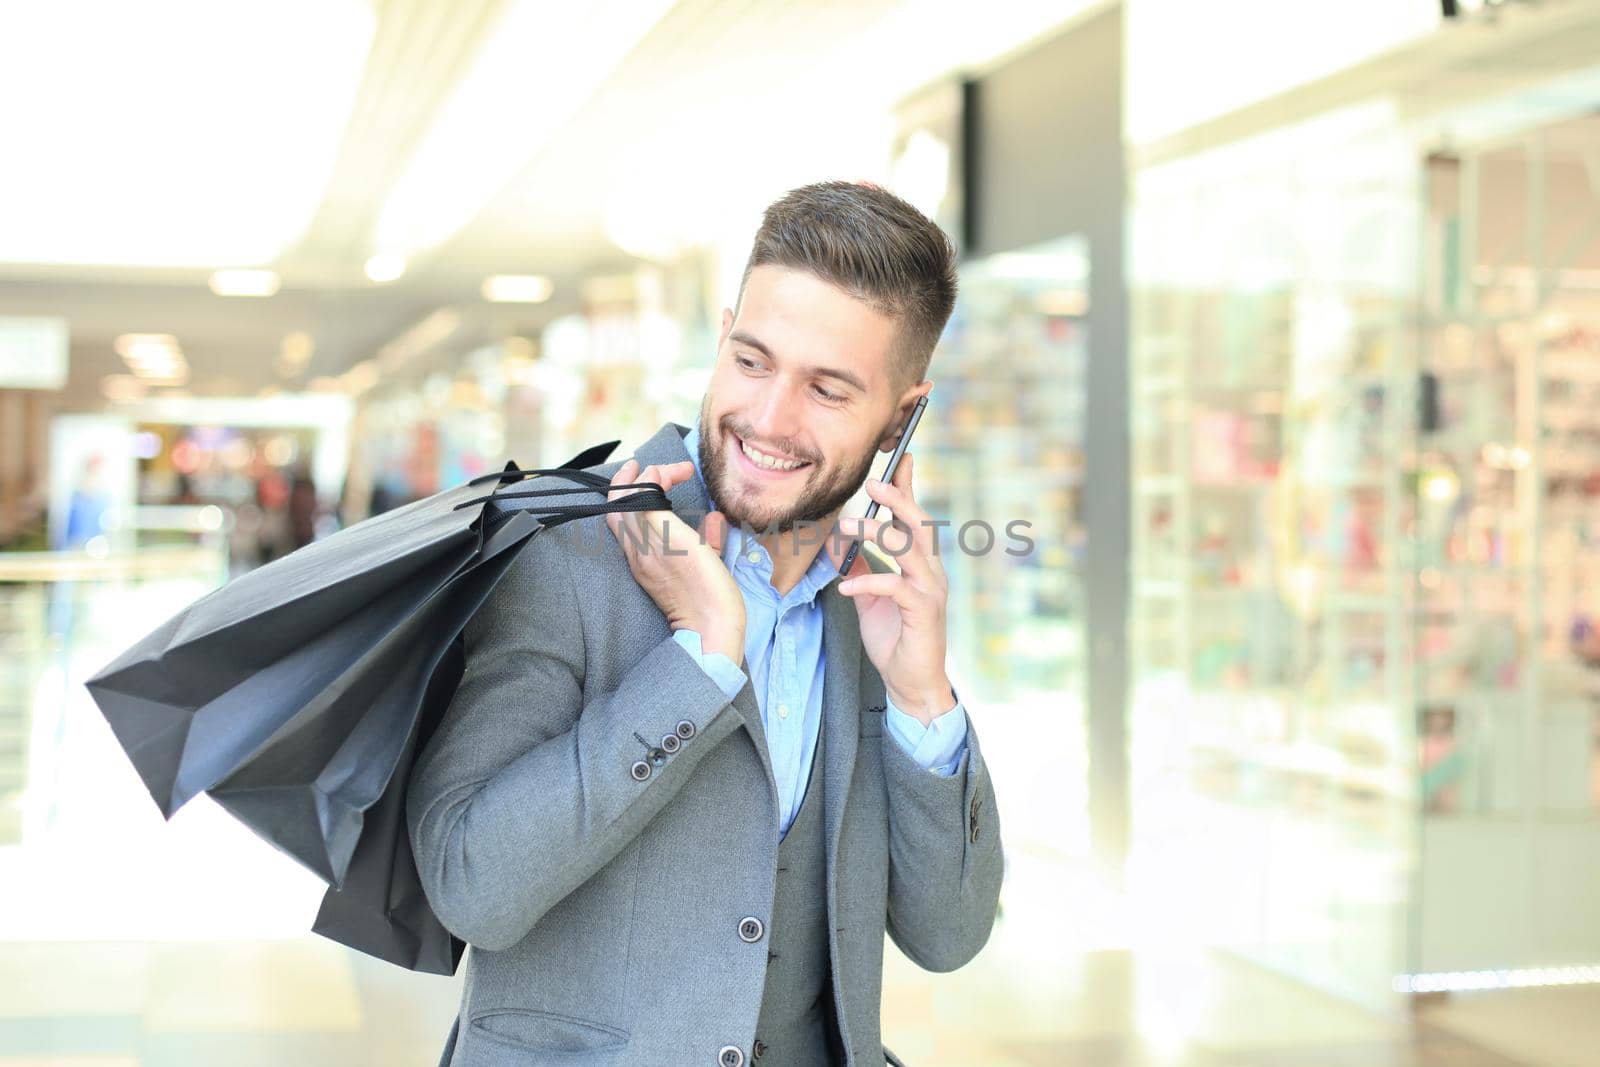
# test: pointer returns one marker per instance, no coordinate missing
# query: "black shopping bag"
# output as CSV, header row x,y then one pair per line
x,y
298,695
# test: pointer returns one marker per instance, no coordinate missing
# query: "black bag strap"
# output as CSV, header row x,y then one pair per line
x,y
650,498
592,456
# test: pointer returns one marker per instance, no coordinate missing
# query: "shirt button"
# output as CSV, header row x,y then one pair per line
x,y
783,711
753,557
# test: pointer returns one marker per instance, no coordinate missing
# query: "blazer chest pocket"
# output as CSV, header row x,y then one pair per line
x,y
559,1039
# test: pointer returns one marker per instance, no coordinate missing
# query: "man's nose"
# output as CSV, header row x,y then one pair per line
x,y
776,419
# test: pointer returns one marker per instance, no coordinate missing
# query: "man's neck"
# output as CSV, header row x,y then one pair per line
x,y
793,552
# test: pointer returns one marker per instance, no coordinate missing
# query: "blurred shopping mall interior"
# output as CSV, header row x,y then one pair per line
x,y
1272,325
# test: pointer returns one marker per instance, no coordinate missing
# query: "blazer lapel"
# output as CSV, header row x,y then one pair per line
x,y
689,500
841,715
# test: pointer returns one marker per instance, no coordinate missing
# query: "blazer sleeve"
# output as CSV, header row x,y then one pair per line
x,y
525,789
945,859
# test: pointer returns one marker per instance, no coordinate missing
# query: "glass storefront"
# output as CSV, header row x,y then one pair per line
x,y
1267,634
1508,548
1364,522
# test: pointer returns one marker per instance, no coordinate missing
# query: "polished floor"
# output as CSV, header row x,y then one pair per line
x,y
308,1003
127,941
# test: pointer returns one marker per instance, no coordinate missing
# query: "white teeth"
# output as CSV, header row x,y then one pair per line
x,y
761,459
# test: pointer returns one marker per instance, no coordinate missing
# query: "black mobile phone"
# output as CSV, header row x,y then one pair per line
x,y
888,477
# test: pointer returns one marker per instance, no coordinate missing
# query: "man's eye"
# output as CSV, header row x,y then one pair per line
x,y
830,397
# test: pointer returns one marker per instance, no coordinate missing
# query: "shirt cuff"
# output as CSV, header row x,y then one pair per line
x,y
937,747
722,670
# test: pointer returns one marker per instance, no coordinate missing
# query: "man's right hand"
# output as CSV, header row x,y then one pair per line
x,y
684,575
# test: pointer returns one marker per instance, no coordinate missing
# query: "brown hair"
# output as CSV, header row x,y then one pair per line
x,y
874,246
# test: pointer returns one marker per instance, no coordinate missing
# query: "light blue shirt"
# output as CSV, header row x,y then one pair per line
x,y
783,650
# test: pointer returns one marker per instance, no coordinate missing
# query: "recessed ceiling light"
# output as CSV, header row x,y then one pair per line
x,y
517,288
294,352
122,388
244,282
142,345
155,358
385,267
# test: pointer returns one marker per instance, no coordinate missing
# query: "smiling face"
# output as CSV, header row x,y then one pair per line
x,y
800,402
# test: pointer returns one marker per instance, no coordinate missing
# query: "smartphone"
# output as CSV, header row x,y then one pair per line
x,y
888,477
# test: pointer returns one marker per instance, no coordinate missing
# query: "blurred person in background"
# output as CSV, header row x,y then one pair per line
x,y
661,806
87,507
274,531
302,508
185,495
86,510
244,538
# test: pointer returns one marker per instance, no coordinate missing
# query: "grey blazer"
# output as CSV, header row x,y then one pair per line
x,y
602,905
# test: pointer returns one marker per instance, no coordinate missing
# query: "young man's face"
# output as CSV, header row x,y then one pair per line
x,y
803,375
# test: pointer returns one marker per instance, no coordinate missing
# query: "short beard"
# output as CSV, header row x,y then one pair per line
x,y
816,503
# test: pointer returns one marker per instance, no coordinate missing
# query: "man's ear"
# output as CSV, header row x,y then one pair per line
x,y
727,326
902,414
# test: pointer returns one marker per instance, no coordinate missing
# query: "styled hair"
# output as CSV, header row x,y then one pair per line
x,y
876,247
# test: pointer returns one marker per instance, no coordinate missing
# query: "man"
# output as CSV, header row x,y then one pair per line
x,y
662,807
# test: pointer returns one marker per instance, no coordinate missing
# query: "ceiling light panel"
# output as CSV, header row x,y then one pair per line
x,y
244,283
517,288
180,133
540,65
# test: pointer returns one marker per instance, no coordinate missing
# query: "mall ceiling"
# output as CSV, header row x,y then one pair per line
x,y
470,137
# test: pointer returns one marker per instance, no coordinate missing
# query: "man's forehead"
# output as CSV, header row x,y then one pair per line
x,y
785,308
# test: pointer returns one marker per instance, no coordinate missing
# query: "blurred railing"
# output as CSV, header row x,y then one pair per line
x,y
63,613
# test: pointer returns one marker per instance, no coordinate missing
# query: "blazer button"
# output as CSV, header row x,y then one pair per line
x,y
685,730
640,770
730,1056
751,929
657,757
670,743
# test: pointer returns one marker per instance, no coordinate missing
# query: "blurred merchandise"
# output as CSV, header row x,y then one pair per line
x,y
1367,530
999,457
1004,444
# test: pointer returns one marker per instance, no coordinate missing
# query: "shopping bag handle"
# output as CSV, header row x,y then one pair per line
x,y
649,503
572,469
651,496
652,499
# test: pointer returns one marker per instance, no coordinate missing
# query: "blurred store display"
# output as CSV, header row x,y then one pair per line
x,y
1000,458
1364,516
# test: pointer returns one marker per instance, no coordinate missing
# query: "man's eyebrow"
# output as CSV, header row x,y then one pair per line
x,y
848,377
